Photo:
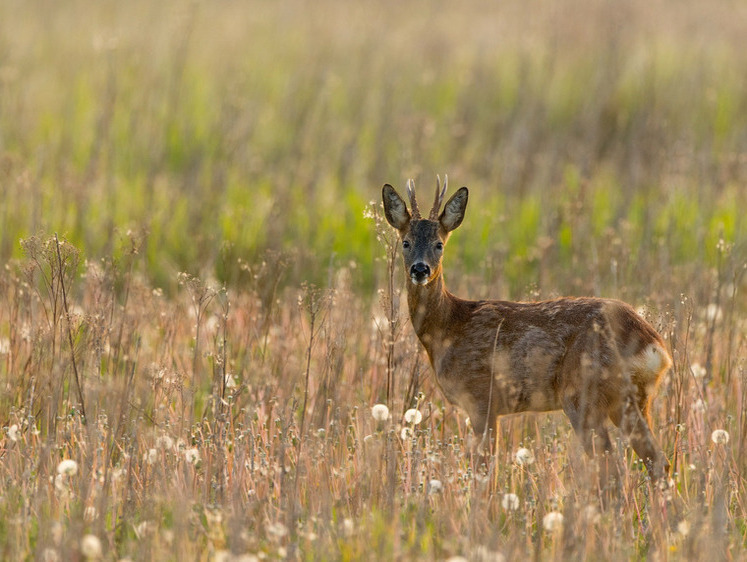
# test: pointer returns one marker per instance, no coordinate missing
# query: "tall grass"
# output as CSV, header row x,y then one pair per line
x,y
203,336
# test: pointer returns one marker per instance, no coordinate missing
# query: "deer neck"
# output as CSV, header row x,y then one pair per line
x,y
430,309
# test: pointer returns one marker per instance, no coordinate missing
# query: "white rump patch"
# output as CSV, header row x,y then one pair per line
x,y
653,359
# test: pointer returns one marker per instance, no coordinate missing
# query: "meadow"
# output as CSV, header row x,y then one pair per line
x,y
200,304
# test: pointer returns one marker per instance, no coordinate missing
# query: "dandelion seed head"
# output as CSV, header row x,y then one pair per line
x,y
13,433
698,370
435,486
510,502
380,412
699,406
151,456
50,555
276,529
524,456
553,521
90,547
591,514
68,467
413,416
683,527
192,455
405,433
484,554
165,442
720,437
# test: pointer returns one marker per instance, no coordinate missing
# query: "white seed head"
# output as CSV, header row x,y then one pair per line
x,y
591,514
510,502
151,456
192,455
435,486
405,433
90,547
13,432
277,529
413,416
524,456
720,437
553,521
68,467
380,412
699,406
165,442
683,527
698,370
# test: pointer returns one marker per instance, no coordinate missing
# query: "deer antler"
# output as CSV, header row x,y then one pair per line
x,y
439,197
413,201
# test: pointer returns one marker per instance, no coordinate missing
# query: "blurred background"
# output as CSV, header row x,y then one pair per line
x,y
206,337
590,133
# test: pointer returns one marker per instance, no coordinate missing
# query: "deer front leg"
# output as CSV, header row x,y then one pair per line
x,y
483,439
632,423
588,424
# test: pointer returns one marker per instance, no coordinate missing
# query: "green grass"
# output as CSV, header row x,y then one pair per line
x,y
604,149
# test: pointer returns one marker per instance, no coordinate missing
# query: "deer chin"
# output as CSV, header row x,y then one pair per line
x,y
419,281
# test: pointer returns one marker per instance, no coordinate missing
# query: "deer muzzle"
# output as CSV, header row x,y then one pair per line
x,y
420,273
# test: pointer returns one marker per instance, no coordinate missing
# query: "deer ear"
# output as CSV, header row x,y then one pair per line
x,y
394,208
453,212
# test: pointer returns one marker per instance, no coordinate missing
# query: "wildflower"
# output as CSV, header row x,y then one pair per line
x,y
192,456
13,433
591,514
277,530
67,467
683,527
151,456
435,486
484,554
720,437
713,313
406,433
698,370
553,521
165,442
49,555
380,412
510,502
413,416
524,456
90,547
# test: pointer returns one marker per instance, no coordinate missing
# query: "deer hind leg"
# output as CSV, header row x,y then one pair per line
x,y
632,421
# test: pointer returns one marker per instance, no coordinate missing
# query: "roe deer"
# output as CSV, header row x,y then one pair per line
x,y
593,358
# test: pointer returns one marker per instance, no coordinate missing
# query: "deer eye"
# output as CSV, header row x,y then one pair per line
x,y
405,244
440,246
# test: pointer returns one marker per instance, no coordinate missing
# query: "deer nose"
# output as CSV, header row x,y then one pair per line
x,y
420,271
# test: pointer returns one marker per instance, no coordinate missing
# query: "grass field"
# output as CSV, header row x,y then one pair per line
x,y
200,305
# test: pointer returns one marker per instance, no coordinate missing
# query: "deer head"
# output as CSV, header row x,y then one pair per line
x,y
423,240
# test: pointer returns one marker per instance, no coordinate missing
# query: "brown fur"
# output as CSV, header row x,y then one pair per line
x,y
593,358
